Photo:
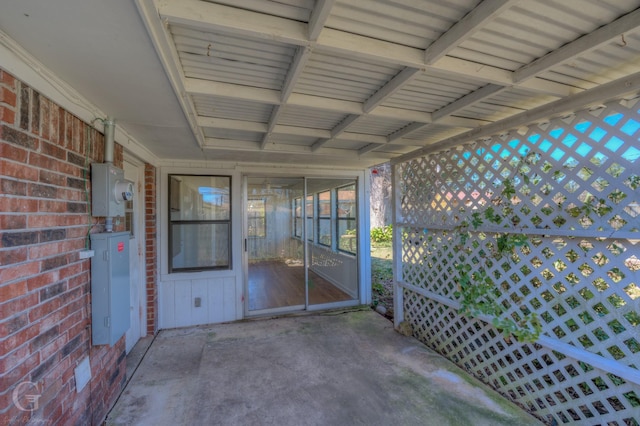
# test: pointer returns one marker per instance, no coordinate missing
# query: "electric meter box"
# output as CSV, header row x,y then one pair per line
x,y
109,190
110,283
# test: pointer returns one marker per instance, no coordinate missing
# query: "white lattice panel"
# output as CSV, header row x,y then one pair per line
x,y
578,272
548,384
587,157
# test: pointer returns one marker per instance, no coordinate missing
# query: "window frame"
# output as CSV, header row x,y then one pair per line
x,y
320,218
341,218
174,203
263,200
297,215
309,206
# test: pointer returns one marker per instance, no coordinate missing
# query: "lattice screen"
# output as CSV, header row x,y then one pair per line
x,y
579,272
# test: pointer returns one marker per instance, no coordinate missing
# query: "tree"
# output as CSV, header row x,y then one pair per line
x,y
380,197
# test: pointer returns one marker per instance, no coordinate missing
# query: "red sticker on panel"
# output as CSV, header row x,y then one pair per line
x,y
120,246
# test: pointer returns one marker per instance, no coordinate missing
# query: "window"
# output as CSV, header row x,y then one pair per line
x,y
324,218
199,223
257,216
297,222
346,218
309,211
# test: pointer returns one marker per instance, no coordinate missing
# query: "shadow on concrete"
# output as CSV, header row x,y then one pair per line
x,y
346,368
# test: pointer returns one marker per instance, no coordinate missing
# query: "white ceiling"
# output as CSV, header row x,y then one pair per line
x,y
331,83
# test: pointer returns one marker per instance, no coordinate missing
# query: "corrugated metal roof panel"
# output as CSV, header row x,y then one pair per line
x,y
312,118
343,78
504,104
358,48
299,10
232,134
232,59
430,92
376,126
607,63
209,106
345,144
531,29
432,133
410,23
393,149
293,140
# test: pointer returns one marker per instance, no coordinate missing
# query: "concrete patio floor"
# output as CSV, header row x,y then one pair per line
x,y
338,368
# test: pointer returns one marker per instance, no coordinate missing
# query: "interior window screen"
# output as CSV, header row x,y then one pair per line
x,y
199,223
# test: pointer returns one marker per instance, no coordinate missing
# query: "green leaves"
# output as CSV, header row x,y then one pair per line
x,y
382,235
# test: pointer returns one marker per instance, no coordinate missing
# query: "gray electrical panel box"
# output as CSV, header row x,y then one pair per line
x,y
110,297
109,190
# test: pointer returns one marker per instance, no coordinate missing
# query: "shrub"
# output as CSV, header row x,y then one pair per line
x,y
382,235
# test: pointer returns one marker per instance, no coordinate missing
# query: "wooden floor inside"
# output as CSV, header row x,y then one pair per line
x,y
276,284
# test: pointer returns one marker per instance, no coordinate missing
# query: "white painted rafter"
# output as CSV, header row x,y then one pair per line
x,y
299,61
459,104
584,44
280,129
386,91
405,131
272,97
598,95
336,131
467,101
465,28
319,16
250,24
208,16
169,58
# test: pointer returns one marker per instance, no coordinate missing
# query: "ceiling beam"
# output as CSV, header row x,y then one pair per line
x,y
391,87
208,16
280,129
319,143
237,145
386,91
232,91
341,127
337,130
299,62
465,28
467,100
223,123
584,44
273,120
319,16
596,96
369,148
170,60
272,97
464,102
405,131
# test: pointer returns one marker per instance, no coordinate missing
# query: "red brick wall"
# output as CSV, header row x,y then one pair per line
x,y
151,254
45,326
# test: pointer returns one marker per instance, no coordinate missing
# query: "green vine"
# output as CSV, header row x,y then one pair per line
x,y
478,291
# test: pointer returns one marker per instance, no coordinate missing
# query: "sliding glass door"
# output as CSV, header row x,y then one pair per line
x,y
274,244
300,243
332,261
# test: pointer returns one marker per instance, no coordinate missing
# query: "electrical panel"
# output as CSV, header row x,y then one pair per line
x,y
109,190
110,282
